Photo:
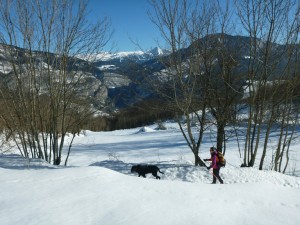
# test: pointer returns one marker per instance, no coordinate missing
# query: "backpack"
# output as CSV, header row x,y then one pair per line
x,y
221,161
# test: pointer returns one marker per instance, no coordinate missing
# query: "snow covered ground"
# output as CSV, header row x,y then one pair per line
x,y
97,187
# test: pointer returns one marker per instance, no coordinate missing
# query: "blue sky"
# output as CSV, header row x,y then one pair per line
x,y
129,20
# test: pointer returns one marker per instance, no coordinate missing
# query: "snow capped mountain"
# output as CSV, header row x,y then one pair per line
x,y
118,70
106,56
136,56
157,52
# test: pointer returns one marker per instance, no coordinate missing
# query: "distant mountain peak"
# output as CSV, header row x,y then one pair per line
x,y
138,56
157,51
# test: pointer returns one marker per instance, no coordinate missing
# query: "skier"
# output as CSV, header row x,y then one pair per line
x,y
214,165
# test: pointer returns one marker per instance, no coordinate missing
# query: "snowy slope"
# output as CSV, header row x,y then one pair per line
x,y
98,188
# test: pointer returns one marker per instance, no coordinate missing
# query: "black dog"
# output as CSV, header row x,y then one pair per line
x,y
144,169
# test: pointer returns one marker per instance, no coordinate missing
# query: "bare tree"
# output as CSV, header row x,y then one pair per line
x,y
226,83
42,94
177,85
268,25
198,82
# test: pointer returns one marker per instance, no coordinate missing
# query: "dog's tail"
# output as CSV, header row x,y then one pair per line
x,y
160,171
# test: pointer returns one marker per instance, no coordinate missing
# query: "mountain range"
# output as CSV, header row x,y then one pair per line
x,y
235,48
113,75
112,61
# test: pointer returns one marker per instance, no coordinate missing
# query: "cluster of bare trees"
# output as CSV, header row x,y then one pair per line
x,y
271,104
41,97
207,85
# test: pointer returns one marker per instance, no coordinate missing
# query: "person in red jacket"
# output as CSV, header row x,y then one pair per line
x,y
214,165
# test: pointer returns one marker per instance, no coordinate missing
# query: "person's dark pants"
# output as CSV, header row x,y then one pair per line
x,y
216,174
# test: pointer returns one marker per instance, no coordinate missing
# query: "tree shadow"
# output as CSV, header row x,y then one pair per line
x,y
17,162
164,166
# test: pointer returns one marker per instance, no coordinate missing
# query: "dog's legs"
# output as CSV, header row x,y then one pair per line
x,y
155,175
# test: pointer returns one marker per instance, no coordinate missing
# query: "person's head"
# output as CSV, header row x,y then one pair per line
x,y
211,150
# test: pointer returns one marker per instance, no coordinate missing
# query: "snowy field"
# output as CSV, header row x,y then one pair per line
x,y
97,187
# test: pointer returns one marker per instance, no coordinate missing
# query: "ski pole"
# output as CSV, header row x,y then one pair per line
x,y
211,172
